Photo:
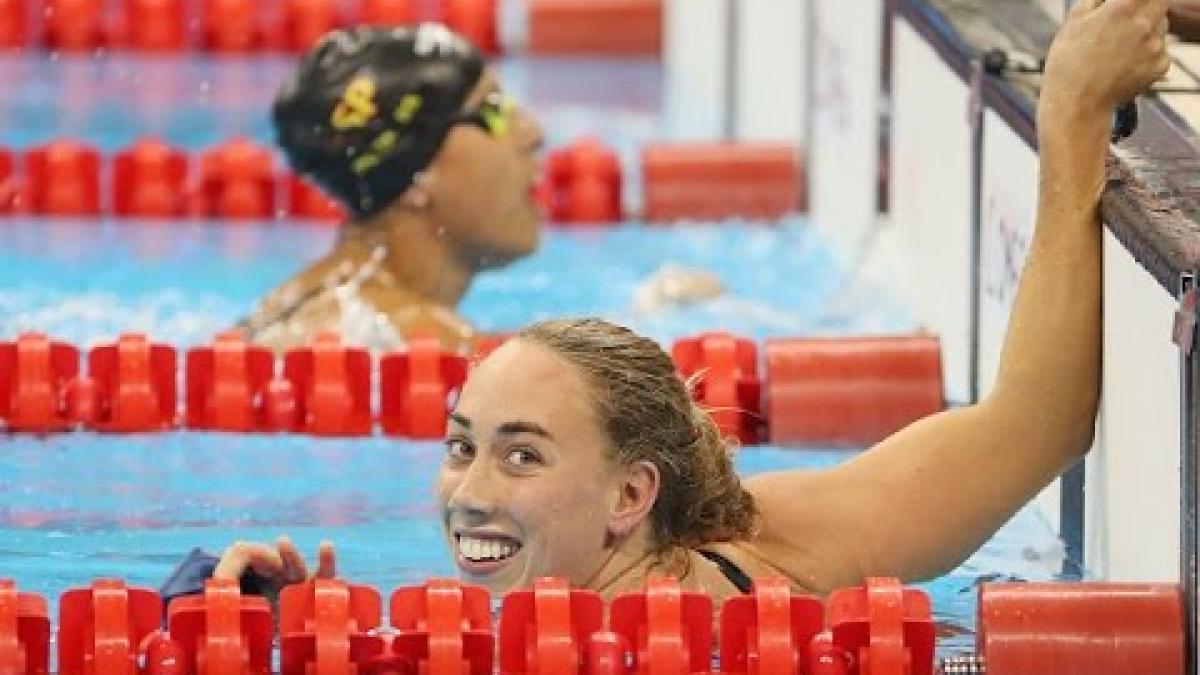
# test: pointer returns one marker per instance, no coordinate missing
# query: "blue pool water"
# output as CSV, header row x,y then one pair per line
x,y
74,507
183,281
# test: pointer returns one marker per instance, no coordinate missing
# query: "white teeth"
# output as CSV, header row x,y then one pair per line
x,y
485,549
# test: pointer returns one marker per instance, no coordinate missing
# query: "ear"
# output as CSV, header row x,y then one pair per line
x,y
415,198
418,196
637,493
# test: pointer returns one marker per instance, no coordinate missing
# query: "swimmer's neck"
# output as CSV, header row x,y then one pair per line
x,y
411,256
628,562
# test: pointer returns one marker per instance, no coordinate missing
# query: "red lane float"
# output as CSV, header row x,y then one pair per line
x,y
610,27
135,385
474,20
237,180
149,180
222,632
24,632
281,410
607,654
231,26
387,12
546,629
226,384
34,373
332,384
102,628
444,627
668,629
63,179
74,25
826,658
327,626
305,200
415,386
711,181
10,187
839,392
305,21
886,628
769,632
583,183
727,384
1081,628
14,24
152,26
82,400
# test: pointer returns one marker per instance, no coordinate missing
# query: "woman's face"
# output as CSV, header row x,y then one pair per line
x,y
482,183
526,489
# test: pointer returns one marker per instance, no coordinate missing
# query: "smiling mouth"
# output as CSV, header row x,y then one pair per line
x,y
490,550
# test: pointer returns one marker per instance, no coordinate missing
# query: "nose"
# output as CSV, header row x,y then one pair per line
x,y
473,494
529,133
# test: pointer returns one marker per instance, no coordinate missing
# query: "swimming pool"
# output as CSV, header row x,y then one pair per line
x,y
78,506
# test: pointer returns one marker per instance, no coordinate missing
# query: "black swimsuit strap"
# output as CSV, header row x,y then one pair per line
x,y
732,572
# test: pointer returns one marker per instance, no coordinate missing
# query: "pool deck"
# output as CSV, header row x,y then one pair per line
x,y
1153,201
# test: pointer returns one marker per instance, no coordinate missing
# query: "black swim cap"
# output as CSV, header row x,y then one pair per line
x,y
368,107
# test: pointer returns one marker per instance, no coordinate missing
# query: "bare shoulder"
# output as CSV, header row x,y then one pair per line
x,y
758,562
301,301
796,536
296,327
410,315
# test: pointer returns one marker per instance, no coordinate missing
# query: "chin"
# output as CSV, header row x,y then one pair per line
x,y
517,250
529,246
497,585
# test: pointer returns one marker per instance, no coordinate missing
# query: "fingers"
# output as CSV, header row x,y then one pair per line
x,y
281,563
245,555
1156,10
1142,10
326,569
294,570
1162,66
1162,59
1085,6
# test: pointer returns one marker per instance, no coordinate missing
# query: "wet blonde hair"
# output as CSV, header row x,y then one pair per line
x,y
642,403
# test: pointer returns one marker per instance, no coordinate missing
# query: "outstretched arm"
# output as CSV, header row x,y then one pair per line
x,y
923,500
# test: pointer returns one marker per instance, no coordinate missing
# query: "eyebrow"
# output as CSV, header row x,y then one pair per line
x,y
508,428
523,427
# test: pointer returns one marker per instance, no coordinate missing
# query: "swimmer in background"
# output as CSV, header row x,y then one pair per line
x,y
574,450
411,132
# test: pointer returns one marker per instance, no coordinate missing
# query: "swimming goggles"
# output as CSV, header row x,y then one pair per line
x,y
493,114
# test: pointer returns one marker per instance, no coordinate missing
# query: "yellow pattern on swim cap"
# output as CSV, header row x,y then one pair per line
x,y
497,117
357,106
381,147
409,106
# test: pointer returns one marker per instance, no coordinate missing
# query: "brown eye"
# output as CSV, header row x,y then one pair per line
x,y
459,450
522,456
